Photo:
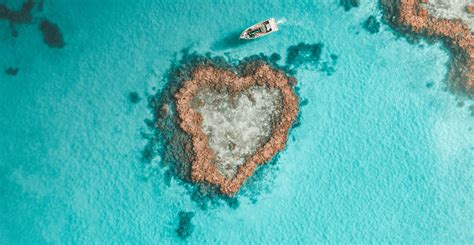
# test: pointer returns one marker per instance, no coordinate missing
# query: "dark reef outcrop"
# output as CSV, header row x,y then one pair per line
x,y
349,4
12,71
304,54
372,25
21,16
134,97
52,35
185,225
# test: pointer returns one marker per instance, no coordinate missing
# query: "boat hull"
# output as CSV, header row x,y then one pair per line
x,y
255,31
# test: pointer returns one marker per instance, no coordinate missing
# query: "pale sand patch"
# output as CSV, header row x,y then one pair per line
x,y
451,9
237,125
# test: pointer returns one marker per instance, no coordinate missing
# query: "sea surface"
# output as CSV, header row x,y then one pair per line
x,y
381,151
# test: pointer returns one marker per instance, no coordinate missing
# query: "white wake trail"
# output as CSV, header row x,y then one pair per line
x,y
281,21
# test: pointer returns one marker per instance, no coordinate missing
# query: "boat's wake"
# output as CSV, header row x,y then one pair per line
x,y
281,21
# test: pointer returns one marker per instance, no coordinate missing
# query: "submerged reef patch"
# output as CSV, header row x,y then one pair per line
x,y
185,225
310,56
21,16
328,66
412,20
304,54
372,25
11,71
134,97
349,4
52,36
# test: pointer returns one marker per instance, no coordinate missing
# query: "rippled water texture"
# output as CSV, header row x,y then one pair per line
x,y
380,151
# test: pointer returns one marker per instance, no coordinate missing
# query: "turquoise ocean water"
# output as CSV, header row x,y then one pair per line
x,y
382,153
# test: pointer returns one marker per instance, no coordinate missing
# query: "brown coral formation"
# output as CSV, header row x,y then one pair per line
x,y
470,9
207,76
411,16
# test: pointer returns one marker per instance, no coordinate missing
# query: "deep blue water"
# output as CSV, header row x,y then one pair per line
x,y
382,153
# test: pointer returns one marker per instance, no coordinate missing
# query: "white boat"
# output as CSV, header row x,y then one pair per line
x,y
260,29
